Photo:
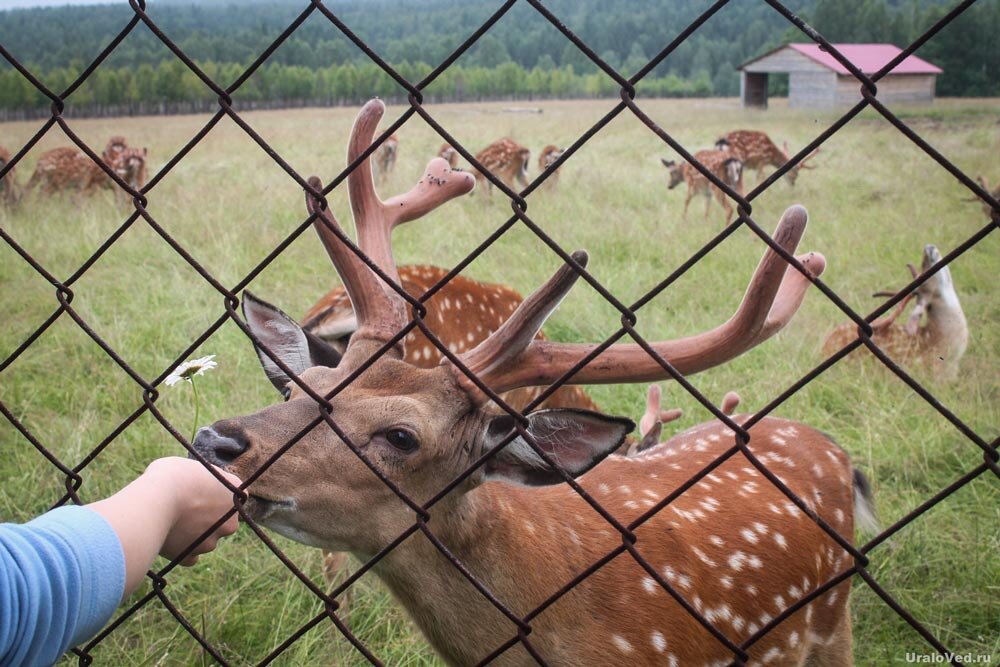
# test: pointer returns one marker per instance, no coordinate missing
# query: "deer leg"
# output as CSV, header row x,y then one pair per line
x,y
838,650
687,201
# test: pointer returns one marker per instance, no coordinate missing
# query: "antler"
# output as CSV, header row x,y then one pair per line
x,y
510,358
379,309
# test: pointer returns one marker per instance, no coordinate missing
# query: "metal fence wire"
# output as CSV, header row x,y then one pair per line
x,y
519,201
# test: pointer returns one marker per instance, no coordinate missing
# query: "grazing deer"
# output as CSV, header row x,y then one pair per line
x,y
385,158
732,546
10,192
990,212
758,151
723,165
547,158
449,155
940,343
507,160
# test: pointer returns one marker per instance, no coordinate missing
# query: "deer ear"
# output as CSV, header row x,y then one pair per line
x,y
298,349
667,163
576,440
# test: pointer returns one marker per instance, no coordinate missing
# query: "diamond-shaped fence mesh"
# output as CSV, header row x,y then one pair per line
x,y
630,545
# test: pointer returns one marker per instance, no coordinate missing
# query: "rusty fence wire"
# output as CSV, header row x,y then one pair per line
x,y
519,202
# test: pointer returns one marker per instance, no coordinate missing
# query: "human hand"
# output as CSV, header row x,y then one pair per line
x,y
196,499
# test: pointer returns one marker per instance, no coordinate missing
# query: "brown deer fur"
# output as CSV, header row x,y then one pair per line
x,y
988,210
757,150
547,158
10,191
732,545
723,165
448,153
67,168
939,343
507,160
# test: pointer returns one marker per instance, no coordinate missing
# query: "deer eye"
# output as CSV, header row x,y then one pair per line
x,y
286,391
402,439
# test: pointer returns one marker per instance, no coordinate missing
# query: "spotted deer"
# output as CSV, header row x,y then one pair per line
x,y
724,166
652,421
940,343
448,153
734,548
116,145
385,158
507,160
757,150
10,191
547,158
67,168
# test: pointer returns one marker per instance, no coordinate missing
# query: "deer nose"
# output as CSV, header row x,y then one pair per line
x,y
220,445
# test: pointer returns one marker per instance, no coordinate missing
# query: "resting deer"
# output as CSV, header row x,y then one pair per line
x,y
547,158
940,343
733,546
385,158
449,154
68,168
116,145
653,419
10,192
507,160
757,151
724,166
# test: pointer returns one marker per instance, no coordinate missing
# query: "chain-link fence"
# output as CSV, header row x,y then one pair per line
x,y
630,546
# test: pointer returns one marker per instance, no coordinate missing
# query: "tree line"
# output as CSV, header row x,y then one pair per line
x,y
522,57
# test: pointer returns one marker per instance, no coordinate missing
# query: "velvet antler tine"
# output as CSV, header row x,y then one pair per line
x,y
516,334
439,185
372,305
775,292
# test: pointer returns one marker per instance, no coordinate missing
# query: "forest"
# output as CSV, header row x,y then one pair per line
x,y
522,57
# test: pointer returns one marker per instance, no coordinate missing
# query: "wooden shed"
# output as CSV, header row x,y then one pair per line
x,y
817,80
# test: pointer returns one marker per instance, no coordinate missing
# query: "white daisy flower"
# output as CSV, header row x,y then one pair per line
x,y
189,369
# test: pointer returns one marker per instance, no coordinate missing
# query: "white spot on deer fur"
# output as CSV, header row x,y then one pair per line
x,y
621,643
624,489
749,487
731,475
738,622
427,352
630,505
778,440
726,581
530,527
470,337
794,592
468,297
832,455
765,618
760,528
716,540
668,573
779,602
652,494
574,538
648,503
752,628
604,488
792,509
793,639
492,312
696,602
772,654
750,471
715,478
659,641
684,581
671,660
839,513
479,328
447,304
650,585
749,535
710,504
774,508
704,557
451,348
817,470
714,437
751,589
831,599
754,562
736,560
780,540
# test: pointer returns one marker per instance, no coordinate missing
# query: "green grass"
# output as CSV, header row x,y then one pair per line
x,y
874,199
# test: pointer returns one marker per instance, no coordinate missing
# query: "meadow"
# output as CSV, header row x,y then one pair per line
x,y
874,200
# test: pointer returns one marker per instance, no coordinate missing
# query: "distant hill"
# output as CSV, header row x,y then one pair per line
x,y
226,35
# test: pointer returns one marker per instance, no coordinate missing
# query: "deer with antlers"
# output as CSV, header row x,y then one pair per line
x,y
10,192
723,166
940,343
719,564
988,210
507,160
757,150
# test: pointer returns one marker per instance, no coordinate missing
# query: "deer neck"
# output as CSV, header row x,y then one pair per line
x,y
486,530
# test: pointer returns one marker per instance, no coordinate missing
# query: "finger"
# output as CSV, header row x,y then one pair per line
x,y
190,560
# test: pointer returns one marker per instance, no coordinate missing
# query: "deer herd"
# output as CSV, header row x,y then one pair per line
x,y
671,578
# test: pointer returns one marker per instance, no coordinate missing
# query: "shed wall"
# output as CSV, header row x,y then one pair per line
x,y
893,88
812,90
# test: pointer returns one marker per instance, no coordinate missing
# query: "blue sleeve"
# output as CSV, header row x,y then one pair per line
x,y
61,578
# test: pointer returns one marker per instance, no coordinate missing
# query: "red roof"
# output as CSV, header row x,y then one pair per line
x,y
869,58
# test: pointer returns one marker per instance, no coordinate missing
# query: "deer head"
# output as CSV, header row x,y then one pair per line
x,y
793,173
676,173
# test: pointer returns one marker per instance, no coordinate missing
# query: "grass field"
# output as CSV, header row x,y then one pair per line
x,y
874,200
